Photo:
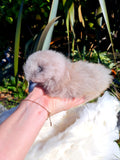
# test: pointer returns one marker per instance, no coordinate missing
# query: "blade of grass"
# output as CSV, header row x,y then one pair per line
x,y
104,11
72,21
68,33
99,16
70,18
17,40
44,35
80,16
53,13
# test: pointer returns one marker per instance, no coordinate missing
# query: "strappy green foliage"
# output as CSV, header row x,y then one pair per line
x,y
17,41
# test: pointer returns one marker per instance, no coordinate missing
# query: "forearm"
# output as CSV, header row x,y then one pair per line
x,y
20,130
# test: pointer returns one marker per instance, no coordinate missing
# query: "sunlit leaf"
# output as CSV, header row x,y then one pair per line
x,y
104,11
99,19
91,24
17,41
72,17
67,24
44,34
64,1
9,19
80,16
53,13
72,14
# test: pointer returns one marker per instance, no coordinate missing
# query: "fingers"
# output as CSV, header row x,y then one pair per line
x,y
54,105
79,101
65,104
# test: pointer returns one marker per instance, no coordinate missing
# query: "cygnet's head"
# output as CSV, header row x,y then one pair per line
x,y
45,67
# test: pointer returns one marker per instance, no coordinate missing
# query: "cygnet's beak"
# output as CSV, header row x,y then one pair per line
x,y
31,86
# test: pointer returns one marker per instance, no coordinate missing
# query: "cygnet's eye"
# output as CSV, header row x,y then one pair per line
x,y
40,69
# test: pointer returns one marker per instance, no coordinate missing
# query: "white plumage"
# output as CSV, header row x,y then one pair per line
x,y
85,133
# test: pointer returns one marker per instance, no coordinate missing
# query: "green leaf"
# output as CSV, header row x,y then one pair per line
x,y
45,35
72,17
12,88
91,24
64,1
9,19
99,19
12,80
53,13
67,24
70,14
17,40
104,11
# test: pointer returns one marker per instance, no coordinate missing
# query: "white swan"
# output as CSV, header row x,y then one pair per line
x,y
85,133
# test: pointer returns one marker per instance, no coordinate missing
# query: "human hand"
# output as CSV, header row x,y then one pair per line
x,y
53,105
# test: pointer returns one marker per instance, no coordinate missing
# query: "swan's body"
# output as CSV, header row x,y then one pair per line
x,y
84,133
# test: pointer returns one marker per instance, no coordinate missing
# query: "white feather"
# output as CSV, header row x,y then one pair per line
x,y
84,133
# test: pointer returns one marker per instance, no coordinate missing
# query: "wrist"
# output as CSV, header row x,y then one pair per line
x,y
38,97
34,108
